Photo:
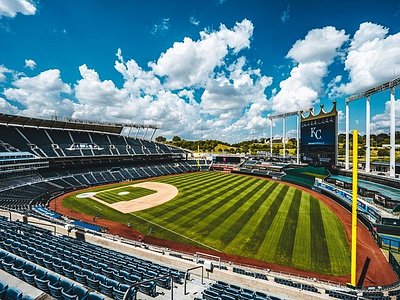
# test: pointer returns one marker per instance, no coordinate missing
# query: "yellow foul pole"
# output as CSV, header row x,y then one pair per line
x,y
198,156
354,211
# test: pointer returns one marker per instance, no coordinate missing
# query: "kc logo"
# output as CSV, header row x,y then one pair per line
x,y
316,133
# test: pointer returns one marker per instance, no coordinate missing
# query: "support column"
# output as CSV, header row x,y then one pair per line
x,y
347,138
392,168
270,136
368,136
284,137
298,139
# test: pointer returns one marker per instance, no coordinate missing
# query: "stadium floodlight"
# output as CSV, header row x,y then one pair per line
x,y
367,94
374,90
283,117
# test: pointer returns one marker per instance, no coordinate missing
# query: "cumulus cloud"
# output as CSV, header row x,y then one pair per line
x,y
381,122
312,56
30,64
3,72
137,81
10,8
372,58
7,108
234,92
190,63
44,95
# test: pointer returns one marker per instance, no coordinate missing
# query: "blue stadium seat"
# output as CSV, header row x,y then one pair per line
x,y
13,294
7,263
107,286
18,268
29,273
94,296
77,292
3,289
148,289
41,280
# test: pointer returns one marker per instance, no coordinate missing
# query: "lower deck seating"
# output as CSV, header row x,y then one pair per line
x,y
27,194
11,292
224,291
44,260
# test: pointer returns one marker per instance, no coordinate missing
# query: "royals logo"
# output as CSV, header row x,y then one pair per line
x,y
316,133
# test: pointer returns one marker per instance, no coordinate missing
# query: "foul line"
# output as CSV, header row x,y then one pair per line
x,y
177,233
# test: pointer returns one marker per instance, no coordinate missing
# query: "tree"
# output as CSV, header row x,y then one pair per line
x,y
161,139
176,139
383,152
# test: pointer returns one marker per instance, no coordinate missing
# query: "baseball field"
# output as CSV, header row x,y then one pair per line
x,y
234,214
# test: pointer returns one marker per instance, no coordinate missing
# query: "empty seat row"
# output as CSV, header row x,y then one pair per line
x,y
57,286
224,291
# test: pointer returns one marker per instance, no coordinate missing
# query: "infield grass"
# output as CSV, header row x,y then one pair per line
x,y
123,193
241,215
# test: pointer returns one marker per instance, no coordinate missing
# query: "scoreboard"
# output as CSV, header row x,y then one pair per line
x,y
319,138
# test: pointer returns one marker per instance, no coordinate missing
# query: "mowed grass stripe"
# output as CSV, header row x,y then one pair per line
x,y
182,179
220,202
196,189
217,202
229,211
239,223
302,244
284,250
263,226
199,202
249,228
196,193
186,221
338,245
319,248
271,239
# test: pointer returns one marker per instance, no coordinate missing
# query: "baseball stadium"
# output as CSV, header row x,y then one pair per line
x,y
91,213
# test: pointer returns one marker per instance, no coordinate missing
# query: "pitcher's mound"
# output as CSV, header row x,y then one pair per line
x,y
123,193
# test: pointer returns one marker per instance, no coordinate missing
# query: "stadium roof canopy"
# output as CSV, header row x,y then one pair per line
x,y
68,123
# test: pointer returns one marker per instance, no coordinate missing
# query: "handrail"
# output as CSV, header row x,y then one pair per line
x,y
187,272
150,280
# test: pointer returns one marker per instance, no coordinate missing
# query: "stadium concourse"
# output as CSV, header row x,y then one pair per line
x,y
44,254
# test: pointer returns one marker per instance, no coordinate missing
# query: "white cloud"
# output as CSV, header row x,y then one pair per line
x,y
160,27
10,8
313,54
372,58
3,71
285,15
320,44
235,92
194,21
30,64
44,95
191,63
7,108
381,122
137,81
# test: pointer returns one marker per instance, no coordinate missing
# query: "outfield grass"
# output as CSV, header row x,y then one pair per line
x,y
111,195
245,216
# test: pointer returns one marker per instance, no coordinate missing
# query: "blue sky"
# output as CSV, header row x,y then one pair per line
x,y
199,69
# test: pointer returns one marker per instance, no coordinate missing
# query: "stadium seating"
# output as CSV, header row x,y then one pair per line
x,y
46,261
224,291
23,193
